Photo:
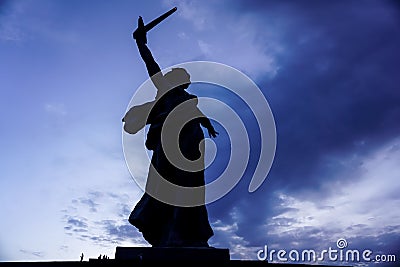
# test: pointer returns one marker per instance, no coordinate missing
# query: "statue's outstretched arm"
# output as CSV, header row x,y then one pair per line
x,y
206,123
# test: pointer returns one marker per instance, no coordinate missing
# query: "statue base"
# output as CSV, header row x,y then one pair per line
x,y
172,254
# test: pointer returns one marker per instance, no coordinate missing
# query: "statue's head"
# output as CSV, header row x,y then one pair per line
x,y
179,77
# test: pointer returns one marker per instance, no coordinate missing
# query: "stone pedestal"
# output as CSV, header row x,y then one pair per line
x,y
171,254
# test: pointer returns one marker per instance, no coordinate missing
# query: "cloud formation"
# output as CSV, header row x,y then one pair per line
x,y
328,69
335,101
85,220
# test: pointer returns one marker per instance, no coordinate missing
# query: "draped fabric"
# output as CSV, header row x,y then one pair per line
x,y
160,223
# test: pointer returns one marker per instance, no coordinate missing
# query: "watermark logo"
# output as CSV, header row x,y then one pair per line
x,y
224,113
339,254
341,243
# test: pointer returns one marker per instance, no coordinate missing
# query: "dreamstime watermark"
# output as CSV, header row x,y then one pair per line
x,y
226,114
340,253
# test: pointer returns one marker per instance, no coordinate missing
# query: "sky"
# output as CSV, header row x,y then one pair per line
x,y
328,69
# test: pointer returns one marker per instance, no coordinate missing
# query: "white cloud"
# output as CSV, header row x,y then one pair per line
x,y
182,35
232,38
103,228
63,177
225,235
205,48
56,108
192,11
361,207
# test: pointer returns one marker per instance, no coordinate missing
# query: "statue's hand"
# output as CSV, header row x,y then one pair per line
x,y
140,33
212,132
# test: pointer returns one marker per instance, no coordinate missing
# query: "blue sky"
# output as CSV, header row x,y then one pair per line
x,y
330,72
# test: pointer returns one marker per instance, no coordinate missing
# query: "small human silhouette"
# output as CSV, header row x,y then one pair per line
x,y
82,256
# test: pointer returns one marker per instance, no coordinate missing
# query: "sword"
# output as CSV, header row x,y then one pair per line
x,y
152,23
156,21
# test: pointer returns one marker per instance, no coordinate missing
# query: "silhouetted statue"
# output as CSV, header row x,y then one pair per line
x,y
163,224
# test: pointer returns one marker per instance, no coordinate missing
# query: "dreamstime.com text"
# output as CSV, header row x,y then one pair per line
x,y
331,254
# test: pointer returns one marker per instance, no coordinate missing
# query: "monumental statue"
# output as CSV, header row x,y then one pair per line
x,y
164,224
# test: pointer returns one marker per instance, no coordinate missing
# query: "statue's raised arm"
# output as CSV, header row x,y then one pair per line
x,y
140,35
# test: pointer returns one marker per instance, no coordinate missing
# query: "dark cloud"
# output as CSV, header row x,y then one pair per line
x,y
90,203
335,94
336,87
105,232
124,210
121,232
76,224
